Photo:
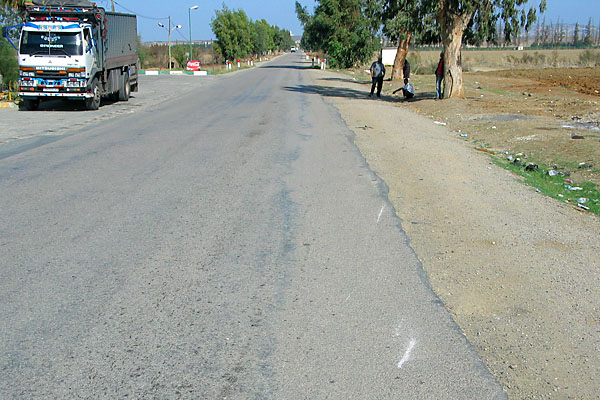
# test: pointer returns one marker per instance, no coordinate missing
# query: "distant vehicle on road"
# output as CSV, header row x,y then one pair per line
x,y
293,49
73,49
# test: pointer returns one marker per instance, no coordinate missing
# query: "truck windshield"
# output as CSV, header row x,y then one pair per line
x,y
51,43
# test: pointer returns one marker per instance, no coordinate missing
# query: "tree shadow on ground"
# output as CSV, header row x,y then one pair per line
x,y
349,80
331,91
285,67
419,96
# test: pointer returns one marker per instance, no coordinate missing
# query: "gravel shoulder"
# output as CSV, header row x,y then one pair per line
x,y
519,272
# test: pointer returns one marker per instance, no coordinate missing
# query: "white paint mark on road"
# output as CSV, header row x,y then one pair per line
x,y
406,355
350,295
380,212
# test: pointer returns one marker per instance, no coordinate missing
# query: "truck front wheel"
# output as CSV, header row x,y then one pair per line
x,y
29,104
93,103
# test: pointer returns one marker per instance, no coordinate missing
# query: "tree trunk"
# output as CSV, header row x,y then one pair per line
x,y
403,46
453,26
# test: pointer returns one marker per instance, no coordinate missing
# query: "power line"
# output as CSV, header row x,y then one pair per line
x,y
181,34
140,15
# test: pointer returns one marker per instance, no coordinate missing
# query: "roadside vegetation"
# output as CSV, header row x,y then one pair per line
x,y
542,124
9,68
345,30
554,183
238,37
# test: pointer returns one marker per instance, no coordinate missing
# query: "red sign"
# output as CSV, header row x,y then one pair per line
x,y
193,65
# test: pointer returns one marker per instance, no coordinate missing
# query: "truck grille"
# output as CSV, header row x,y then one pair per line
x,y
51,75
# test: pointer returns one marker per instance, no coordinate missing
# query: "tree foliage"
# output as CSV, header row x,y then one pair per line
x,y
473,21
340,29
587,40
401,22
264,37
239,37
283,38
9,68
11,3
234,33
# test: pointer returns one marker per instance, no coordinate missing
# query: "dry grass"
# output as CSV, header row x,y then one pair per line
x,y
425,61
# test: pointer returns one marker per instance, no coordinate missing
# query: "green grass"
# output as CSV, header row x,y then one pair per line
x,y
227,71
556,187
496,91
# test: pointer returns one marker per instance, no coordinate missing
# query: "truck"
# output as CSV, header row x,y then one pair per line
x,y
75,50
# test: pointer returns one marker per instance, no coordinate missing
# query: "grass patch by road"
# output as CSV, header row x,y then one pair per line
x,y
555,184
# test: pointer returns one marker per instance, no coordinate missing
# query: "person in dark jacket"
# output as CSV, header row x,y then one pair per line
x,y
377,73
439,76
406,71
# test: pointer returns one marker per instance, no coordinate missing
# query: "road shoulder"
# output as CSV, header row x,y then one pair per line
x,y
518,271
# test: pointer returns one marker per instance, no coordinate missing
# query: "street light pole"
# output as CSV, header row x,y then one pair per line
x,y
190,24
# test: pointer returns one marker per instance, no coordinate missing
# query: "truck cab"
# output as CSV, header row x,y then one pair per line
x,y
56,59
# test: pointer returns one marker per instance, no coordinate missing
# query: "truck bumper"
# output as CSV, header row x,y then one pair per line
x,y
50,94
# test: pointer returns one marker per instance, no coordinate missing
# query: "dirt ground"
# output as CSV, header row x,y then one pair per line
x,y
534,112
519,272
583,80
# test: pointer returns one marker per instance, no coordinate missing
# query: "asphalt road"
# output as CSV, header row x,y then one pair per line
x,y
225,242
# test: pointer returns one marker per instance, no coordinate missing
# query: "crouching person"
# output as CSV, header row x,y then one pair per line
x,y
408,90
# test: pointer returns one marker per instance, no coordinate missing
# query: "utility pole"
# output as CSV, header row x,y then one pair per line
x,y
169,43
169,30
112,2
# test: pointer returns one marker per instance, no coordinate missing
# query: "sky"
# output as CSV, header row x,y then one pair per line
x,y
276,12
281,13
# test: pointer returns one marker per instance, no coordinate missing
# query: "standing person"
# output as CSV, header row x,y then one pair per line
x,y
406,71
439,76
377,73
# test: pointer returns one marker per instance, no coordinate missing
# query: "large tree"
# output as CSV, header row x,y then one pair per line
x,y
399,21
478,17
340,29
234,32
264,37
587,40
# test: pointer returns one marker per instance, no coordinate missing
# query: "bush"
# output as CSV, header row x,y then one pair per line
x,y
9,67
530,59
589,59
